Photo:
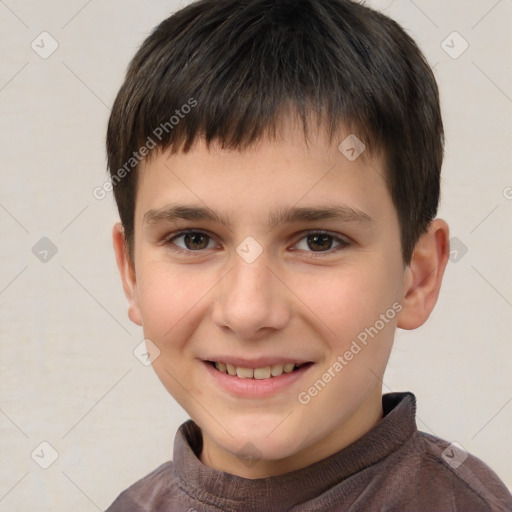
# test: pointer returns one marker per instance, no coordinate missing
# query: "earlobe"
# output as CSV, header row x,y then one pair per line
x,y
423,276
127,272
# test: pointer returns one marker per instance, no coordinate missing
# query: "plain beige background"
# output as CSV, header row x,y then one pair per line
x,y
69,377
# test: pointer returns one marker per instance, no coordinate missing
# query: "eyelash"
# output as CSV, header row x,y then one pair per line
x,y
343,242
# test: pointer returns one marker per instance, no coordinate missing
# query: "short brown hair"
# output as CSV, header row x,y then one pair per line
x,y
239,65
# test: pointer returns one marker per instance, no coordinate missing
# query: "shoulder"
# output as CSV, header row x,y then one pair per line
x,y
139,497
463,478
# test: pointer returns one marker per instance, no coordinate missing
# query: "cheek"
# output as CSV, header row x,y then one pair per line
x,y
348,300
170,300
173,303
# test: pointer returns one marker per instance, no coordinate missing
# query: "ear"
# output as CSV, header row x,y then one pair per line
x,y
127,271
423,276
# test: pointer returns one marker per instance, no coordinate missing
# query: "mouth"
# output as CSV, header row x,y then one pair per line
x,y
262,373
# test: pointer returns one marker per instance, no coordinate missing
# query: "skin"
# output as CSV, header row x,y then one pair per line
x,y
296,299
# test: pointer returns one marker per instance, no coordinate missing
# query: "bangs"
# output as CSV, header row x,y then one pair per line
x,y
242,82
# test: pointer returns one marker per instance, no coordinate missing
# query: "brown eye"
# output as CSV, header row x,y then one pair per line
x,y
191,241
319,242
196,241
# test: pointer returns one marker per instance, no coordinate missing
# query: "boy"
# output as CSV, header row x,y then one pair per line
x,y
276,166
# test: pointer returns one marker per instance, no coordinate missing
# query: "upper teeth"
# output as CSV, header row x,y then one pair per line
x,y
255,373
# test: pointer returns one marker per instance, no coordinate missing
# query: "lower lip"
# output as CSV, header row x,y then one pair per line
x,y
255,388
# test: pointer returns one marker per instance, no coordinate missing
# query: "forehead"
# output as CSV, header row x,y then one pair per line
x,y
267,176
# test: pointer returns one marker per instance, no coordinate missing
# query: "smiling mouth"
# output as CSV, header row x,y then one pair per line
x,y
266,372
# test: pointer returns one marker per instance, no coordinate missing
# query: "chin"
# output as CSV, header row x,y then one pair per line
x,y
270,443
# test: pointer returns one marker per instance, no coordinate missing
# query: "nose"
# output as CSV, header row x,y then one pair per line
x,y
252,302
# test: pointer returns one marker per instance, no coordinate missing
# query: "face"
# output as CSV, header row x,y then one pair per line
x,y
282,264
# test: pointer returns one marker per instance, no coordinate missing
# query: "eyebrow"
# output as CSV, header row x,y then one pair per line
x,y
291,215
